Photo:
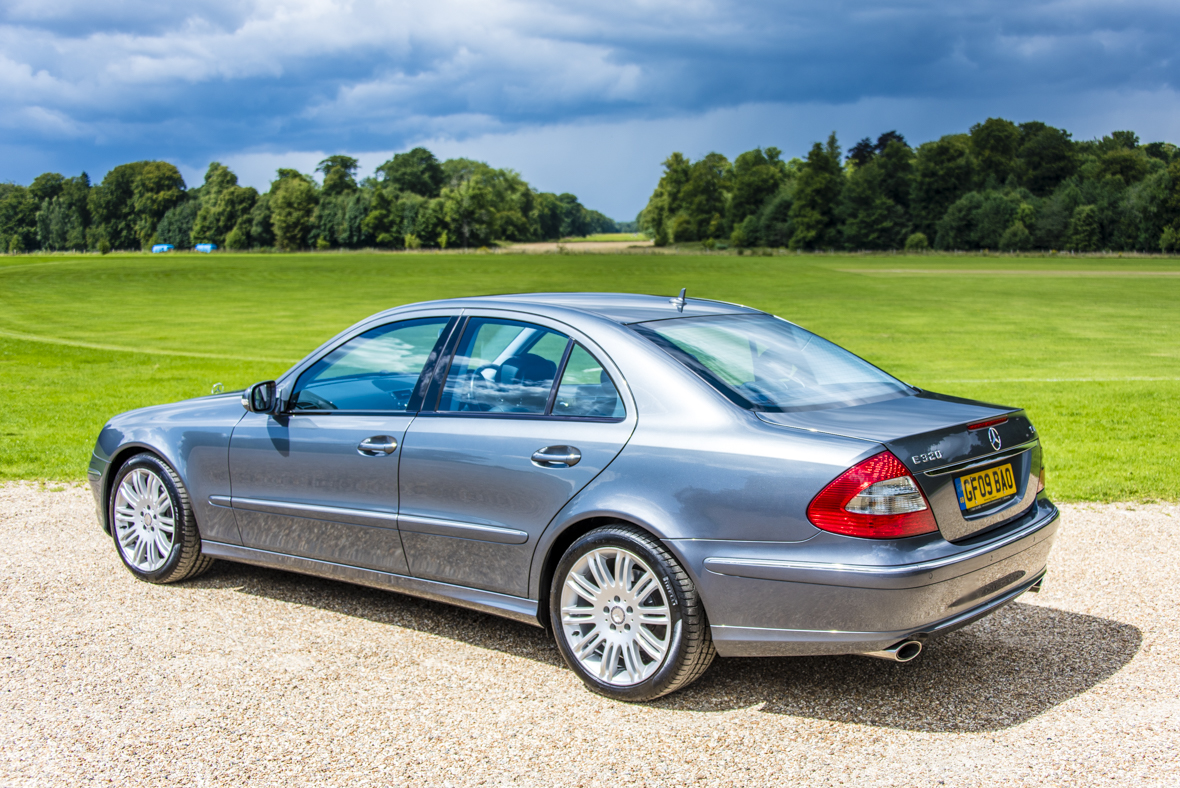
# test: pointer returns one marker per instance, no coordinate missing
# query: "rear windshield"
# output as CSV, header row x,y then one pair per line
x,y
767,364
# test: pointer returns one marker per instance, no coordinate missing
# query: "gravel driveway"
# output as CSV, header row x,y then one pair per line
x,y
253,676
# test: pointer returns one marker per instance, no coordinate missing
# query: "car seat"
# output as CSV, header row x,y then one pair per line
x,y
525,382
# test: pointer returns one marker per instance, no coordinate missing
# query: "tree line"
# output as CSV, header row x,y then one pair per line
x,y
1002,185
413,201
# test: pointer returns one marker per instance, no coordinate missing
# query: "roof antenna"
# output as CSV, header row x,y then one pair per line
x,y
679,300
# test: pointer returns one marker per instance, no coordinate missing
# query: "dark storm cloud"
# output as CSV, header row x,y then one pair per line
x,y
93,84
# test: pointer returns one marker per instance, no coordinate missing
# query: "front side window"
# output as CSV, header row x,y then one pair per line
x,y
503,366
375,371
764,363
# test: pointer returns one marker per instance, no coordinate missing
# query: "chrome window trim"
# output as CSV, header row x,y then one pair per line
x,y
465,414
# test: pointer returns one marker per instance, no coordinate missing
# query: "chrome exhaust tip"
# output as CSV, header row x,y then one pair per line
x,y
901,652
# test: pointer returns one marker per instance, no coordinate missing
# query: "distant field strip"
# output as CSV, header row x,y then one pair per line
x,y
997,272
145,351
1053,380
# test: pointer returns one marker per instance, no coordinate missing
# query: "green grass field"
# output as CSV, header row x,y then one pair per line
x,y
1091,347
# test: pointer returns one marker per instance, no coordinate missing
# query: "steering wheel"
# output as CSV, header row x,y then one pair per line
x,y
783,375
476,379
401,397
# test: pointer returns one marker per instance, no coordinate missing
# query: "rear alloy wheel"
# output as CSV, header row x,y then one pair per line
x,y
626,616
152,522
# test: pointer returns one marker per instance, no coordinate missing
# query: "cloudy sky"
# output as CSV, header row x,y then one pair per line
x,y
587,96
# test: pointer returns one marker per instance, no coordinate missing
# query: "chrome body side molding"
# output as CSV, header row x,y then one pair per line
x,y
313,511
482,533
412,523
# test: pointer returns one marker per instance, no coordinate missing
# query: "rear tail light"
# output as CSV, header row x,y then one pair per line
x,y
874,499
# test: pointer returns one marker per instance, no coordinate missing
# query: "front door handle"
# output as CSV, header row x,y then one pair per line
x,y
378,444
557,457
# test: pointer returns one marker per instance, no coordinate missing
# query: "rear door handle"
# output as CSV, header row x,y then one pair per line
x,y
557,457
378,444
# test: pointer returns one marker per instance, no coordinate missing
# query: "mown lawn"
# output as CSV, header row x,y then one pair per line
x,y
1091,347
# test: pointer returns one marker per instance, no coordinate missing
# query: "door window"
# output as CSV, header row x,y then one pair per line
x,y
586,389
375,371
503,366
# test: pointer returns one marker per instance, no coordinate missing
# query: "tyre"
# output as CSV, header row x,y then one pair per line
x,y
627,618
152,522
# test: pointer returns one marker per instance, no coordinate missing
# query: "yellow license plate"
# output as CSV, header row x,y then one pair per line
x,y
978,489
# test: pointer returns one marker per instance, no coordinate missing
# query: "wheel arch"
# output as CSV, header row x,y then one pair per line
x,y
553,547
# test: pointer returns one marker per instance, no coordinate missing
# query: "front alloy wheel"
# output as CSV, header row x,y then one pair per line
x,y
627,617
152,522
145,520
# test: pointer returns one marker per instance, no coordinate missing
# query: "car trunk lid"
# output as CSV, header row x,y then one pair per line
x,y
945,442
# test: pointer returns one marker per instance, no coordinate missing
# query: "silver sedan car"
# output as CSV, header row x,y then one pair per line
x,y
655,480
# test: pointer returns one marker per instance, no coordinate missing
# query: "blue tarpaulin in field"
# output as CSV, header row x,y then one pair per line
x,y
206,248
161,248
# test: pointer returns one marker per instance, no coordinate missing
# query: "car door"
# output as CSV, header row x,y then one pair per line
x,y
319,480
525,417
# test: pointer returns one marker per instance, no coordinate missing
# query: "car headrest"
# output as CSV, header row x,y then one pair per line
x,y
527,368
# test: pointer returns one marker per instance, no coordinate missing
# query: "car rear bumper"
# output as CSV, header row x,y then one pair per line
x,y
771,605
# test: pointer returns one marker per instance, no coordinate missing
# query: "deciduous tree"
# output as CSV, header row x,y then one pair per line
x,y
943,172
416,171
339,175
292,205
817,198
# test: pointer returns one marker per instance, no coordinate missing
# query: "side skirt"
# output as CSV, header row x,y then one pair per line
x,y
515,608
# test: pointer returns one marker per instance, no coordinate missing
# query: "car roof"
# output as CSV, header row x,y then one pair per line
x,y
618,307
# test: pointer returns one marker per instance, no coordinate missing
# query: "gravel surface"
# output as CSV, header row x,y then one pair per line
x,y
259,677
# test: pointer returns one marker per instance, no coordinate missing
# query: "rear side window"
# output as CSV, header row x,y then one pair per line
x,y
376,371
764,363
586,389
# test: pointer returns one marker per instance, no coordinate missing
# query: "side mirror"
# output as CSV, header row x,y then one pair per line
x,y
260,398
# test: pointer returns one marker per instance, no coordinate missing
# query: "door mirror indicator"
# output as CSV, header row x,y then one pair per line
x,y
260,398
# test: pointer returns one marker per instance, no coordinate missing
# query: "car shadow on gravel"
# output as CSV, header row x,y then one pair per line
x,y
1001,671
385,607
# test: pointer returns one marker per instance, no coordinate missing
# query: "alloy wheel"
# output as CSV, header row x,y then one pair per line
x,y
145,520
615,616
